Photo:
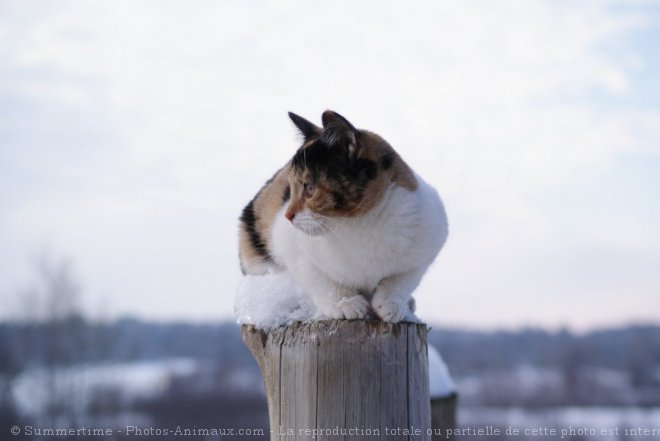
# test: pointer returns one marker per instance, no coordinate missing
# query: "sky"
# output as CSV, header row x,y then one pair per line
x,y
132,133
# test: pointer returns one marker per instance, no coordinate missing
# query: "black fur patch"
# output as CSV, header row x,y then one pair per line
x,y
335,163
386,161
340,201
287,194
249,220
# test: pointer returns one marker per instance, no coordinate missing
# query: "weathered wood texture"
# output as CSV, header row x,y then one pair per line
x,y
345,380
443,416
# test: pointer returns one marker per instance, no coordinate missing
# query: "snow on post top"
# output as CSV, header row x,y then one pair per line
x,y
275,299
271,301
440,383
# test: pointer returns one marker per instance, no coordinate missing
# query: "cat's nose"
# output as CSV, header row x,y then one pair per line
x,y
290,216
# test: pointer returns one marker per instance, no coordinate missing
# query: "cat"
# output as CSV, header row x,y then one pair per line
x,y
348,219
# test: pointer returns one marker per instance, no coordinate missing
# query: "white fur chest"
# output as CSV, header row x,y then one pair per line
x,y
403,233
359,254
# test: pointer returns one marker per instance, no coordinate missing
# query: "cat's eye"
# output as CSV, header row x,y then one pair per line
x,y
309,190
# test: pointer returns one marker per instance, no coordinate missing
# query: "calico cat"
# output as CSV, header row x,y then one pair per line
x,y
347,217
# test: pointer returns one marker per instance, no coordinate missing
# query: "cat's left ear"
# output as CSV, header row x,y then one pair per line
x,y
308,129
337,129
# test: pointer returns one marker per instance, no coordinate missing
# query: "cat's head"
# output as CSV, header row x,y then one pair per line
x,y
339,171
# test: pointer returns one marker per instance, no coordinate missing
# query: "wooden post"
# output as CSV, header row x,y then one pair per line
x,y
443,417
443,397
344,380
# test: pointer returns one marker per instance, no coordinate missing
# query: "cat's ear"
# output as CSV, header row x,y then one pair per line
x,y
337,129
308,129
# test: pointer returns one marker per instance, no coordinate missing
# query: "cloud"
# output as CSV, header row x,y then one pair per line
x,y
134,133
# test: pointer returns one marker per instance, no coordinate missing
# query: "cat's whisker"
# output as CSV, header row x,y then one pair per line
x,y
327,225
323,224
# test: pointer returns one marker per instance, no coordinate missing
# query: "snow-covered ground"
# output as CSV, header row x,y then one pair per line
x,y
127,382
34,388
600,423
548,386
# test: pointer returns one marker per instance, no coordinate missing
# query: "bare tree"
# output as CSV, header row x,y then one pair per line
x,y
54,294
53,338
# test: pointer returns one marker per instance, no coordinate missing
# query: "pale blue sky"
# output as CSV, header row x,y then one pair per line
x,y
132,133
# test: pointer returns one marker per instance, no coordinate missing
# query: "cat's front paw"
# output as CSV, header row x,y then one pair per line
x,y
349,308
390,310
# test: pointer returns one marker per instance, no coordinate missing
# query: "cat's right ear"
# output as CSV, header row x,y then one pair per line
x,y
308,129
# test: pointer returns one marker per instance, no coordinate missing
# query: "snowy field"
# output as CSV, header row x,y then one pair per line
x,y
586,423
33,389
134,381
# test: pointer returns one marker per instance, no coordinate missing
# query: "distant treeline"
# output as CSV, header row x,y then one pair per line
x,y
613,367
75,340
634,349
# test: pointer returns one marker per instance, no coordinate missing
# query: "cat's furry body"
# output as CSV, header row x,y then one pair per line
x,y
349,220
